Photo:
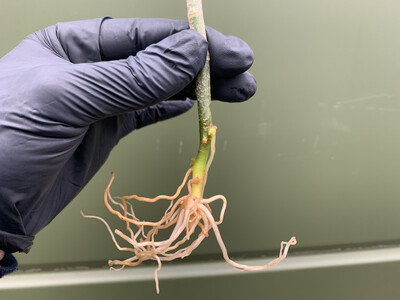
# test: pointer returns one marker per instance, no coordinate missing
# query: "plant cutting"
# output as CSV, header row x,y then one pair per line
x,y
188,219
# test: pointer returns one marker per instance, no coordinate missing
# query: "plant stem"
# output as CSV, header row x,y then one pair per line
x,y
203,95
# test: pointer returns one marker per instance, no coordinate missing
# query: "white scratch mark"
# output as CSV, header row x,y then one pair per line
x,y
339,104
224,145
180,147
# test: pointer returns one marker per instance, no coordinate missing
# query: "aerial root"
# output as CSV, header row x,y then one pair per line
x,y
185,216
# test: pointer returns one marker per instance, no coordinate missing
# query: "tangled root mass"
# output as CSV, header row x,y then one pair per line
x,y
185,217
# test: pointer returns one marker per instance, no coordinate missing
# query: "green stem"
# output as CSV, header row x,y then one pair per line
x,y
203,95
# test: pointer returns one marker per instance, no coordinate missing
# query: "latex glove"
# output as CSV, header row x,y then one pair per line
x,y
70,92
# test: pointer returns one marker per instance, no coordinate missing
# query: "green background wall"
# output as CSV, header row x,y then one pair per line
x,y
314,154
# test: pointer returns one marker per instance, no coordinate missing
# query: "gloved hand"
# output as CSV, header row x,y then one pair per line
x,y
70,92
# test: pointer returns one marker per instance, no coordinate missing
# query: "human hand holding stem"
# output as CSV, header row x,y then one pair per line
x,y
189,214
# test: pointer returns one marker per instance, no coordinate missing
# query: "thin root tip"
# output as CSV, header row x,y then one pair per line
x,y
292,241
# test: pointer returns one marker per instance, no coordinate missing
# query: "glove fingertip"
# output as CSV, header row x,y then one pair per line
x,y
236,89
230,55
165,68
8,264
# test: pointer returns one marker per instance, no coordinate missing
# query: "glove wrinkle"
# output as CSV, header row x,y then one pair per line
x,y
80,40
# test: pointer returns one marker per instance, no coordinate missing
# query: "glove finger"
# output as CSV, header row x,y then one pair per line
x,y
90,92
238,88
229,55
100,39
153,114
113,39
8,264
121,38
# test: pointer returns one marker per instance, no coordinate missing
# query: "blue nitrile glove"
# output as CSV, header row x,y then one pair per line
x,y
70,92
8,264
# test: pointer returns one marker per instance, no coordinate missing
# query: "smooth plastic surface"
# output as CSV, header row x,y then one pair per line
x,y
364,274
